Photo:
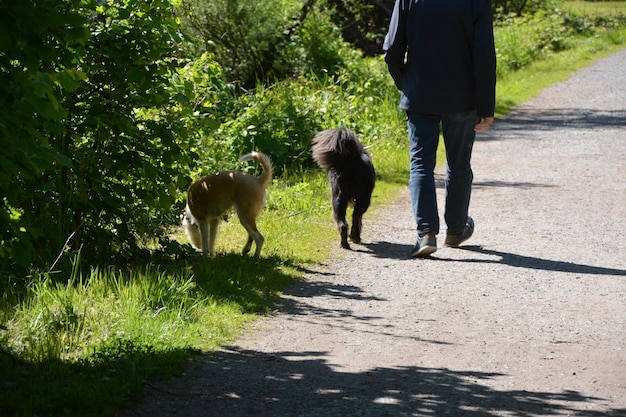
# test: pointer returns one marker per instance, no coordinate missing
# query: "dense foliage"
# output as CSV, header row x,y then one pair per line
x,y
94,126
40,50
275,39
103,116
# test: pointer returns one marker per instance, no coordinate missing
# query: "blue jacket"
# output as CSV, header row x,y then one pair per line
x,y
441,56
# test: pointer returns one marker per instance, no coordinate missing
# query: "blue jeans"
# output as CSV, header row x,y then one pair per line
x,y
458,136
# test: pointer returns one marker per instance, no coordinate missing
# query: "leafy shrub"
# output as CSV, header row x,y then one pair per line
x,y
204,101
521,7
268,41
100,138
587,25
241,35
281,119
39,47
522,40
318,48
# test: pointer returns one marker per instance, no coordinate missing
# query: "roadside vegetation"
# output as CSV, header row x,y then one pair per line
x,y
111,109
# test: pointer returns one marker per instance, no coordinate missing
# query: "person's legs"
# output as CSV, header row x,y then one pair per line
x,y
423,139
459,135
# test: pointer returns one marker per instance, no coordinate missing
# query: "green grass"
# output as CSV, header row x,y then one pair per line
x,y
84,342
100,336
595,8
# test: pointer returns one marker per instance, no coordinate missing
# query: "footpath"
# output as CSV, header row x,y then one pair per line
x,y
527,319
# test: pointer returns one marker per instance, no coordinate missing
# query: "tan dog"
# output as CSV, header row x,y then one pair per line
x,y
210,197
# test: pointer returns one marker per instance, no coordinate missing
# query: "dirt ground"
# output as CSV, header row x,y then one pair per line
x,y
527,319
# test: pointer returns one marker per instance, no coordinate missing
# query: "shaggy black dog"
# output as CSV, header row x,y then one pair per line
x,y
351,175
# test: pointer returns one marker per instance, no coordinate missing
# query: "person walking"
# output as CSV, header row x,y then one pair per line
x,y
441,56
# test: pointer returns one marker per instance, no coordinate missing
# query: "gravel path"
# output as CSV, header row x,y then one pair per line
x,y
528,319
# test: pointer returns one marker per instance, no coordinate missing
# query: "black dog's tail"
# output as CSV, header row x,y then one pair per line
x,y
332,147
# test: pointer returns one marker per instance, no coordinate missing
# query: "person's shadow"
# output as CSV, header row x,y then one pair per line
x,y
391,250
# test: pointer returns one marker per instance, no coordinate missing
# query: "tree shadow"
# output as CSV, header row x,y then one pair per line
x,y
295,304
254,283
110,378
108,373
524,121
236,382
522,185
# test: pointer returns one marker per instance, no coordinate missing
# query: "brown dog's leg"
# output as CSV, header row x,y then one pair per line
x,y
203,226
253,235
248,245
213,235
259,240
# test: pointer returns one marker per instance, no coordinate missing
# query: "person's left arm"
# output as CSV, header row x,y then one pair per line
x,y
395,44
484,63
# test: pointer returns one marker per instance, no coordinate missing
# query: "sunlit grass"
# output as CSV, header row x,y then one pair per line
x,y
595,8
60,321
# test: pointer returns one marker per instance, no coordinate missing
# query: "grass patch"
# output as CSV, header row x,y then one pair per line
x,y
595,8
86,346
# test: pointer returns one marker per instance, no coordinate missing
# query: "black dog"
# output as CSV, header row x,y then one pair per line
x,y
351,175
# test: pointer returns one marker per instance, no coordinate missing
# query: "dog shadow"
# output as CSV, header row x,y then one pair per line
x,y
255,283
389,250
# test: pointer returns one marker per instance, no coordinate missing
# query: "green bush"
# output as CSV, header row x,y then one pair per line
x,y
241,35
96,138
545,29
268,41
318,48
522,40
522,7
281,119
39,49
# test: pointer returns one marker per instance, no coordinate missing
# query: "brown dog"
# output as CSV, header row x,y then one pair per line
x,y
210,197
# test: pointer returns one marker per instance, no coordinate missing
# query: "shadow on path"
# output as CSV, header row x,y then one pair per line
x,y
400,251
522,185
531,262
245,383
390,250
525,120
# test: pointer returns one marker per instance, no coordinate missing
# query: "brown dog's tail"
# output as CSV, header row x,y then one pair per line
x,y
331,148
265,162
